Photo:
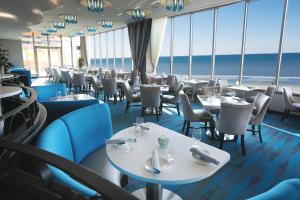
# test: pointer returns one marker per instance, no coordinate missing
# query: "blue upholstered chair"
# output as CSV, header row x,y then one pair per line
x,y
80,137
288,189
56,109
25,74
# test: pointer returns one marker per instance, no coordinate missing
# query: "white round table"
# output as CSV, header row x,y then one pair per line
x,y
182,170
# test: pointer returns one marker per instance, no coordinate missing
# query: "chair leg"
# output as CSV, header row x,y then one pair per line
x,y
205,126
235,138
157,113
115,99
259,132
243,145
184,123
127,106
104,99
178,111
253,129
143,111
221,137
188,128
285,114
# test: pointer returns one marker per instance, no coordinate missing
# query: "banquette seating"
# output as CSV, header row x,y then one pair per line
x,y
55,109
80,137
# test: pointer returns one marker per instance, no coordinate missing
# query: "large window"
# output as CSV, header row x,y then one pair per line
x,y
103,49
229,42
163,65
127,52
110,54
202,44
28,53
181,45
264,24
97,50
89,40
290,68
76,50
66,48
118,48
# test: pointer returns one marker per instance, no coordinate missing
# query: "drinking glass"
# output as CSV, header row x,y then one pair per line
x,y
138,122
197,136
58,94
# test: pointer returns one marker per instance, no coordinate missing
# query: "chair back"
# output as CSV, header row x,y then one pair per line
x,y
64,75
113,73
45,92
261,104
234,119
211,83
127,90
101,74
79,79
187,109
288,98
150,96
109,86
95,83
56,74
270,91
223,84
69,76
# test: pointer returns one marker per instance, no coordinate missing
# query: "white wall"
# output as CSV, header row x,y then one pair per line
x,y
15,51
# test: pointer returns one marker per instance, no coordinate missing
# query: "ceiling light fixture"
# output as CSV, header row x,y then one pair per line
x,y
45,33
138,14
70,19
92,29
8,15
107,24
51,30
77,33
175,5
95,6
59,25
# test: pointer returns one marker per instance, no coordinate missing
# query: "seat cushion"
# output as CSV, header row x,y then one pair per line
x,y
167,99
288,189
250,99
296,107
88,128
98,162
201,115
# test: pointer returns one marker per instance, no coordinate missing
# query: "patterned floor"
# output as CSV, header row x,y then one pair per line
x,y
264,166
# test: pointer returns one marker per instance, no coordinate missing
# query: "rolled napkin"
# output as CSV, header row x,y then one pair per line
x,y
155,162
116,141
198,154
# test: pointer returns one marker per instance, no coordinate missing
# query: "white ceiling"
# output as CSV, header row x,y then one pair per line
x,y
36,15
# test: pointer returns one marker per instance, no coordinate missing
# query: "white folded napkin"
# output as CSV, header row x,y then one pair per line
x,y
155,162
201,155
116,141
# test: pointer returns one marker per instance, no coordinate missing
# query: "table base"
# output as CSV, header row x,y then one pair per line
x,y
163,194
216,136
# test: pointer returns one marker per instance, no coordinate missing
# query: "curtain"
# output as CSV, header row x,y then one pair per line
x,y
156,40
83,53
139,36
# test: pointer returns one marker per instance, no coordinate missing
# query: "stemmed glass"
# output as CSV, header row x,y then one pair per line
x,y
197,136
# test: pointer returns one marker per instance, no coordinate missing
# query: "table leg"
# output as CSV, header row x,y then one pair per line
x,y
1,122
155,192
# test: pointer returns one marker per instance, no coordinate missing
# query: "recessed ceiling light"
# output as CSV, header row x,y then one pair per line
x,y
118,8
8,16
120,14
37,11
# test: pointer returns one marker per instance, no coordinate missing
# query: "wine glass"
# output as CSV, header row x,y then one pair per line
x,y
197,136
58,94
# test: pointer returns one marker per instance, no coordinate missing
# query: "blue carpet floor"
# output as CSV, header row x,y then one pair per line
x,y
265,165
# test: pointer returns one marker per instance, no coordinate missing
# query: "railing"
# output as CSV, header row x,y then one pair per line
x,y
22,115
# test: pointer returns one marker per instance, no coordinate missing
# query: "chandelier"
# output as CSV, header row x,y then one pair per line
x,y
107,24
51,30
59,25
70,19
138,14
175,5
45,33
91,29
95,6
77,33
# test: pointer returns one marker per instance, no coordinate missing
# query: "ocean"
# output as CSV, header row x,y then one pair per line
x,y
258,68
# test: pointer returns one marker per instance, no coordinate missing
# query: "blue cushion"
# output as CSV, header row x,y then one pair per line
x,y
55,139
23,72
88,128
288,189
45,92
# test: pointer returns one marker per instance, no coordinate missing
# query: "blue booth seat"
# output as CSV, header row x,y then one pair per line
x,y
80,137
22,72
288,189
56,109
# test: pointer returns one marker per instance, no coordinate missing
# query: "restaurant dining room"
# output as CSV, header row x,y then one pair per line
x,y
149,99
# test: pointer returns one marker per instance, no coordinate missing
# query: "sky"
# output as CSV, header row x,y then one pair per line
x,y
263,33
